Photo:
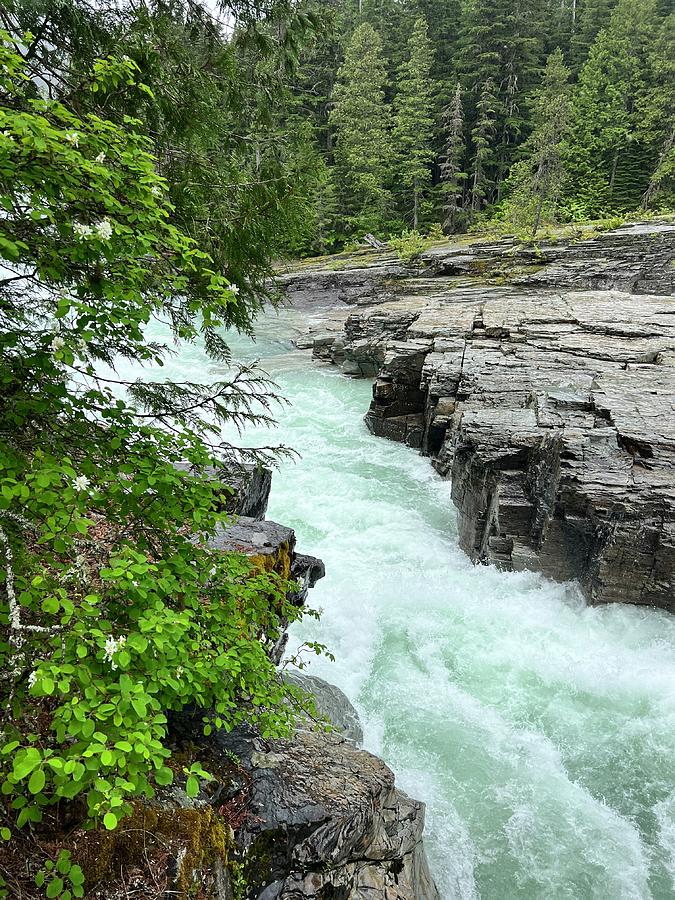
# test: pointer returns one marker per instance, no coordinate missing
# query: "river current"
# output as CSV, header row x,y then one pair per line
x,y
539,732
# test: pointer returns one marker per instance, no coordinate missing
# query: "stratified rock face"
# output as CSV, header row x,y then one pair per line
x,y
326,821
550,406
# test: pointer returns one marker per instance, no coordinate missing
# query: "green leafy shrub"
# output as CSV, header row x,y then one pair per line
x,y
114,608
410,245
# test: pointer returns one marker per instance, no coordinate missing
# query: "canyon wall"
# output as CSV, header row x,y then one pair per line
x,y
541,380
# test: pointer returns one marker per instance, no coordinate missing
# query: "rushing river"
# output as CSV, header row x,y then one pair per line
x,y
539,732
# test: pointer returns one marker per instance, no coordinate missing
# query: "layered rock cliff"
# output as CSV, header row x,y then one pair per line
x,y
542,381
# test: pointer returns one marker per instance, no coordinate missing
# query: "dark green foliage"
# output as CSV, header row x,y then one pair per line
x,y
452,178
362,122
617,136
413,125
497,50
536,181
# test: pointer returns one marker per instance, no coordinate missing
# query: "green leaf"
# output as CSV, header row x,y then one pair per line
x,y
26,762
192,786
110,821
164,775
55,888
37,781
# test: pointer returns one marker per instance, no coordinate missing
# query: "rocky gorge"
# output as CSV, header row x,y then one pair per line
x,y
311,816
539,379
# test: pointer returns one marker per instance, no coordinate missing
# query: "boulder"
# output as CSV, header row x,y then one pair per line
x,y
326,820
331,702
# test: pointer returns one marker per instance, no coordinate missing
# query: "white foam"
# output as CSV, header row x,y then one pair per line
x,y
540,732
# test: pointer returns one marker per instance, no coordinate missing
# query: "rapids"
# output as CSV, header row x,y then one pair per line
x,y
539,732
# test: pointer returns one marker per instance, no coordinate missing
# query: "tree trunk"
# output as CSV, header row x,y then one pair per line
x,y
615,163
416,204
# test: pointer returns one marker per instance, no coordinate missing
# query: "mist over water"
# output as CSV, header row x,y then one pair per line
x,y
540,732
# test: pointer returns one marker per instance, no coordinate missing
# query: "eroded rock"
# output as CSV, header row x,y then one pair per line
x,y
326,820
551,406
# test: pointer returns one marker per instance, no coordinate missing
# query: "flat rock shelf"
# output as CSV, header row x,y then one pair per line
x,y
542,382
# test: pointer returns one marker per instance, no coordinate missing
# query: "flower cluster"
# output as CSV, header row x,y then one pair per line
x,y
112,645
103,230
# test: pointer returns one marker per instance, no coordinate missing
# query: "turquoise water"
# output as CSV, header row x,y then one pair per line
x,y
540,732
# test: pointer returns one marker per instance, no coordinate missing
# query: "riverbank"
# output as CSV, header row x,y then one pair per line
x,y
540,380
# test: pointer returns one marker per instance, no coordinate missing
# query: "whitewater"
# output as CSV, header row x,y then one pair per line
x,y
539,732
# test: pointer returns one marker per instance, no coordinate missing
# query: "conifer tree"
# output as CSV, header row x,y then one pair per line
x,y
483,136
452,176
413,128
590,16
537,180
609,159
501,46
362,121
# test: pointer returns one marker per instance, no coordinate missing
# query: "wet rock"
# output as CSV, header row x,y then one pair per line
x,y
326,820
249,485
331,702
271,547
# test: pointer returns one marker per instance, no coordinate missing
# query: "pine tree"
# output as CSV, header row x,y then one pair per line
x,y
452,176
537,180
501,45
610,156
362,121
590,17
413,128
483,141
656,118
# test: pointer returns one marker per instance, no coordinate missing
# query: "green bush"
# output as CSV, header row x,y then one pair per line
x,y
410,245
114,609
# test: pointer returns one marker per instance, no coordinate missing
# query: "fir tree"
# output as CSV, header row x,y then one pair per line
x,y
609,159
452,177
502,46
483,136
362,121
590,17
413,129
537,180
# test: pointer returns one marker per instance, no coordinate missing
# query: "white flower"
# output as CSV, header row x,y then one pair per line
x,y
179,671
81,347
234,289
57,343
32,678
81,483
104,229
101,157
156,190
73,138
82,231
112,645
8,135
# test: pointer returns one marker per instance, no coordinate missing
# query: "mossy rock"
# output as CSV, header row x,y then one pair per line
x,y
193,845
